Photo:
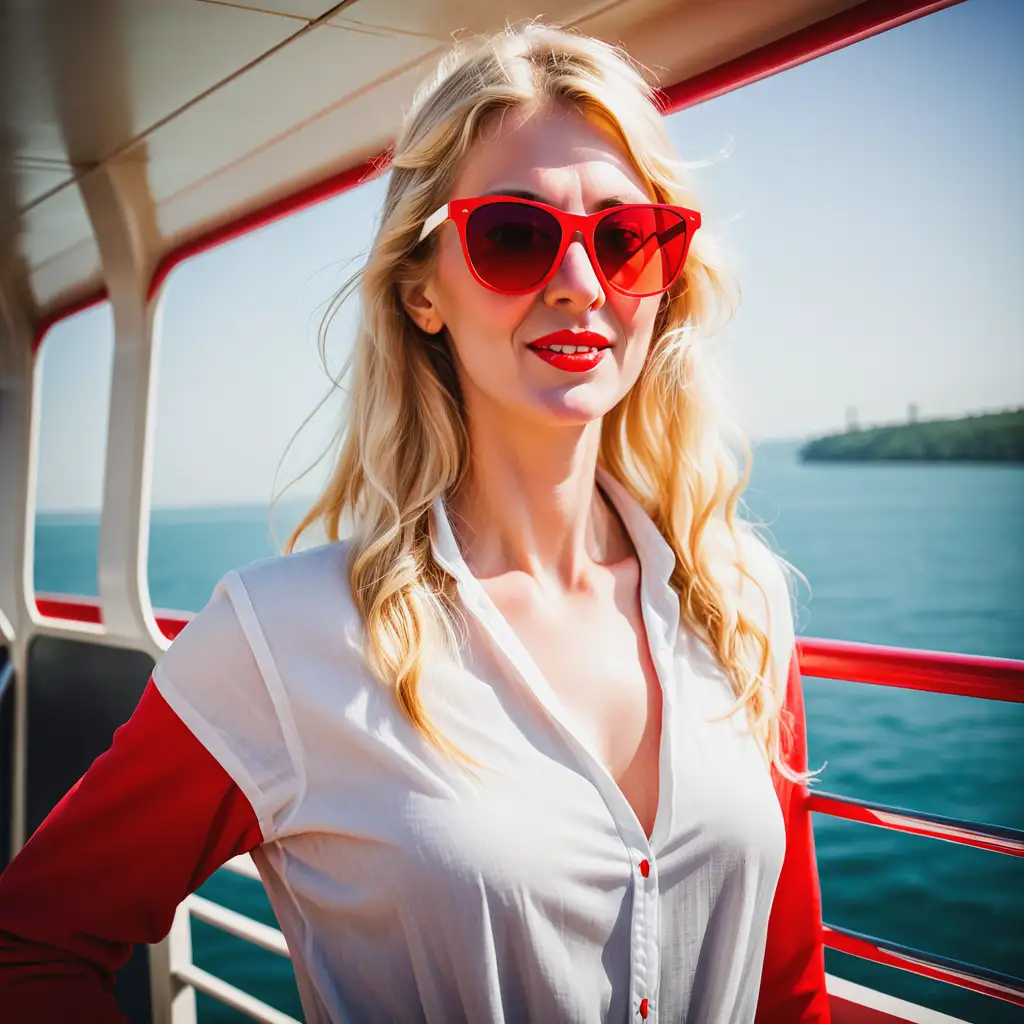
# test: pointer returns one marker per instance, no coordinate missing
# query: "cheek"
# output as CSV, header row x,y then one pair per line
x,y
636,319
480,322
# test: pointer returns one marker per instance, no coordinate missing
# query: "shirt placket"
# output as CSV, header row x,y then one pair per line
x,y
661,621
660,611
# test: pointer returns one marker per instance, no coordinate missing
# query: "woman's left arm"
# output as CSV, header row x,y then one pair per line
x,y
793,976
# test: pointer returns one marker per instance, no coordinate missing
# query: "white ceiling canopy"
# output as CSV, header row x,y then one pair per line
x,y
227,107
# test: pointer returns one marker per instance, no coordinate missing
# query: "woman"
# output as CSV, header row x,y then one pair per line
x,y
508,752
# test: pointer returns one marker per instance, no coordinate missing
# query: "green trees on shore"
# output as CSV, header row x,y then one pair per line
x,y
991,437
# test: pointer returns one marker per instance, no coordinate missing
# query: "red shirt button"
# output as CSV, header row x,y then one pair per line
x,y
645,869
643,1002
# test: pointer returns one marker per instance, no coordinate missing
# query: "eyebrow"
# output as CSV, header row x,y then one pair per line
x,y
608,203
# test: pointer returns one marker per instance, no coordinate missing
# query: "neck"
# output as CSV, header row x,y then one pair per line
x,y
530,504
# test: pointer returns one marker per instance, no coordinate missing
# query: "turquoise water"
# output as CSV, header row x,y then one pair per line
x,y
926,556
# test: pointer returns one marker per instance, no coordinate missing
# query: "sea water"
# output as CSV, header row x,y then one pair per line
x,y
914,555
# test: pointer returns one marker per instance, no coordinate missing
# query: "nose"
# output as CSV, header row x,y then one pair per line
x,y
575,283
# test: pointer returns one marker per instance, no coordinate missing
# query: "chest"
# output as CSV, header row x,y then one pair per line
x,y
539,825
592,650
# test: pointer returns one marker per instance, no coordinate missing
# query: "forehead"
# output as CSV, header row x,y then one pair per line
x,y
557,154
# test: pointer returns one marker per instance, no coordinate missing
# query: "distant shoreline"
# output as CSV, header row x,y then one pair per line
x,y
986,438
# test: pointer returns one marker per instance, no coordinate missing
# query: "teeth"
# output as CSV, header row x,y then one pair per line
x,y
570,349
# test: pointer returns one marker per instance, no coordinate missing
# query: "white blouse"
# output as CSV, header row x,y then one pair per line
x,y
410,890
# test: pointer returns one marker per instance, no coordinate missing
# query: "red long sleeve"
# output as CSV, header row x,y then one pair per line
x,y
793,977
150,821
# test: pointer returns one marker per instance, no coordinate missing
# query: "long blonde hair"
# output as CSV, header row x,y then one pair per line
x,y
404,439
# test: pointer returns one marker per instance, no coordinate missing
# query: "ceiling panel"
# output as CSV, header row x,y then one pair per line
x,y
307,10
82,81
441,19
35,177
676,40
58,245
47,228
304,157
69,276
230,108
292,94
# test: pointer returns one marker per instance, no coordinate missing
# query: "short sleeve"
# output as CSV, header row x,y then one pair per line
x,y
220,678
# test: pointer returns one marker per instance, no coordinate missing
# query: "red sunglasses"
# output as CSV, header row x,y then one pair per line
x,y
515,245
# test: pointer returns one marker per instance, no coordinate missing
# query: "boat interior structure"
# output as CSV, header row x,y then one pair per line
x,y
120,160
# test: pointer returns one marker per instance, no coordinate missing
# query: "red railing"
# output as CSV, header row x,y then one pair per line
x,y
926,965
936,672
87,609
996,838
968,675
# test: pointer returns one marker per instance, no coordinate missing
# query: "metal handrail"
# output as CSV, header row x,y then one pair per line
x,y
220,990
996,838
928,965
236,924
935,672
968,675
241,927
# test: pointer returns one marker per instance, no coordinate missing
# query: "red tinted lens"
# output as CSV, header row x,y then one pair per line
x,y
512,245
641,249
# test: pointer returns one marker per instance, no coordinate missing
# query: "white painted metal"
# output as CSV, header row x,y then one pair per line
x,y
18,413
238,925
173,1000
900,1009
233,997
116,198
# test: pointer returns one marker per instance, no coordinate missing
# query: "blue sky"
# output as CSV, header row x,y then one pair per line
x,y
868,201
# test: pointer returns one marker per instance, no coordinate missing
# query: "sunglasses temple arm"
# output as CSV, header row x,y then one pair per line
x,y
436,219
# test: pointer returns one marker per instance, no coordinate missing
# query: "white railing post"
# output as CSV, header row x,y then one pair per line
x,y
121,210
18,433
173,1001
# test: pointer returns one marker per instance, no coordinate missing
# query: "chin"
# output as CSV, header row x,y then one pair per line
x,y
572,411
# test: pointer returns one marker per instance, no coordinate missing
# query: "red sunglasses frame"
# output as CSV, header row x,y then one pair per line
x,y
571,224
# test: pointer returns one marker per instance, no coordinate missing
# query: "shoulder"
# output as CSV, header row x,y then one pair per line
x,y
231,675
299,581
289,592
300,606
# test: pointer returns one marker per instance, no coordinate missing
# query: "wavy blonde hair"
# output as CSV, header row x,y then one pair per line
x,y
404,439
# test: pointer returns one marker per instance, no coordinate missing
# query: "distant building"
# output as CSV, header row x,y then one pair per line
x,y
851,418
912,412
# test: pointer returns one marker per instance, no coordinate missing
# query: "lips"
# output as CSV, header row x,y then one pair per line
x,y
560,340
572,351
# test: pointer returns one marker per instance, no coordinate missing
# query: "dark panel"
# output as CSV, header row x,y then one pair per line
x,y
6,754
78,694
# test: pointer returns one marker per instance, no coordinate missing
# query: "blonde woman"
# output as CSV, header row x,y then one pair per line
x,y
528,745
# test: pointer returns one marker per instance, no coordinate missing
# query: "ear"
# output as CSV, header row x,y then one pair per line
x,y
421,308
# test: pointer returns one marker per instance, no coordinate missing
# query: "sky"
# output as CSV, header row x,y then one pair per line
x,y
869,203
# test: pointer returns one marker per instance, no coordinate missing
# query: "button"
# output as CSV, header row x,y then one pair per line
x,y
643,1008
645,868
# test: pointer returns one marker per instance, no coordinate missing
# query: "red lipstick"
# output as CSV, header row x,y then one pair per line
x,y
574,361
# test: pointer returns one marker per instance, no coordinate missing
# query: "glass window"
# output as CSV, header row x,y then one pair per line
x,y
75,361
240,371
